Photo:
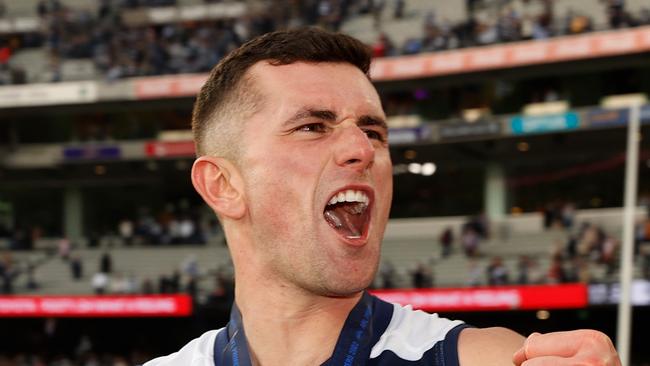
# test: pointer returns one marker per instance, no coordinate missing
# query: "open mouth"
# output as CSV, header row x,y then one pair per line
x,y
347,212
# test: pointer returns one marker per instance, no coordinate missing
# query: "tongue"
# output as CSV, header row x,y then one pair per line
x,y
346,218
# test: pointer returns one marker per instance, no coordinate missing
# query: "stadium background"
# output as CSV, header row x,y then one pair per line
x,y
509,165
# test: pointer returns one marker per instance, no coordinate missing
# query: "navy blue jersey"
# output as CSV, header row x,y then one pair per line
x,y
376,333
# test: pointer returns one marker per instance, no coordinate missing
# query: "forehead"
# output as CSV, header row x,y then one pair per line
x,y
337,86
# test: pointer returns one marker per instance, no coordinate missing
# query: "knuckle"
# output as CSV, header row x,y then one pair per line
x,y
594,338
598,349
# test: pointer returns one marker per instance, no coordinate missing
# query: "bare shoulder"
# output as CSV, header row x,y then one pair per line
x,y
488,346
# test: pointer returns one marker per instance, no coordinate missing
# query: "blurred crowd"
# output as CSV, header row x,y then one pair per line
x,y
589,253
188,278
119,50
107,277
11,270
174,224
167,227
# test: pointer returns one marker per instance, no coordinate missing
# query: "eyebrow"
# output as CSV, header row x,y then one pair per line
x,y
331,116
367,120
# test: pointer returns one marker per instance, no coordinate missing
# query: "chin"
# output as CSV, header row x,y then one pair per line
x,y
348,287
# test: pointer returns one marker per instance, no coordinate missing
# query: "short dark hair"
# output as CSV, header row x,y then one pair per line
x,y
228,94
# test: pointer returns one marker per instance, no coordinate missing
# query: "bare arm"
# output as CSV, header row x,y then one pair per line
x,y
488,346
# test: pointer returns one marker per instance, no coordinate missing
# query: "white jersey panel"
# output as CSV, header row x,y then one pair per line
x,y
412,333
199,352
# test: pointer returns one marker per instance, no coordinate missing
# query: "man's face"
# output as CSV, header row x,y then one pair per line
x,y
318,176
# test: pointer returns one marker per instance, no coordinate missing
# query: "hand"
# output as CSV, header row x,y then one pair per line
x,y
577,347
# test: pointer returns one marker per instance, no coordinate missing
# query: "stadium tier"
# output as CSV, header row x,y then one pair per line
x,y
55,40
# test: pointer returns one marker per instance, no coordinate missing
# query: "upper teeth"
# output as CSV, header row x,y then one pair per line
x,y
349,196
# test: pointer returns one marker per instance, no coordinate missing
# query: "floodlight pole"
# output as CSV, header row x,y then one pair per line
x,y
623,332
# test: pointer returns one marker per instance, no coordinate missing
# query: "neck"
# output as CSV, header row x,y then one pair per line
x,y
282,322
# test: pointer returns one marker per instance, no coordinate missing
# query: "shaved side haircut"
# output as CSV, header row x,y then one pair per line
x,y
229,97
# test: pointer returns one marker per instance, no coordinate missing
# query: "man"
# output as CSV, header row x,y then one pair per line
x,y
294,160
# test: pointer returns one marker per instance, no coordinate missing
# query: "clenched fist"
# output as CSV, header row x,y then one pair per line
x,y
577,347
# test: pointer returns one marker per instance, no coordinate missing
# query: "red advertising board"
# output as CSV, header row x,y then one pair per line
x,y
490,298
96,306
169,149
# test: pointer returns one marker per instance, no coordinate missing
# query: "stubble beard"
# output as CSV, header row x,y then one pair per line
x,y
320,277
326,279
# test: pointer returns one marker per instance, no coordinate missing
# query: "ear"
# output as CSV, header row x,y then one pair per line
x,y
218,181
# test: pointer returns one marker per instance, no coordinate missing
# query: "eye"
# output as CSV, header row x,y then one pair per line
x,y
312,127
375,135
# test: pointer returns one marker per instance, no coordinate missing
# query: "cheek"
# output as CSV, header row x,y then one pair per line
x,y
274,199
384,181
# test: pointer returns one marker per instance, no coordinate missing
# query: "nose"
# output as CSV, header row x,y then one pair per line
x,y
354,149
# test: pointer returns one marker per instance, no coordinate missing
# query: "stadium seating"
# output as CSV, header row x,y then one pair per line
x,y
367,27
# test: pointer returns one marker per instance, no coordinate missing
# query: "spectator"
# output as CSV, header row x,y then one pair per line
x,y
572,246
186,230
645,263
100,282
175,282
608,254
474,274
164,286
589,242
616,13
106,263
422,276
399,9
470,241
126,230
147,287
479,224
523,267
446,241
582,271
32,284
122,284
5,52
64,249
568,214
551,215
509,25
577,23
7,274
556,272
76,267
535,275
497,273
5,75
383,47
388,274
190,266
